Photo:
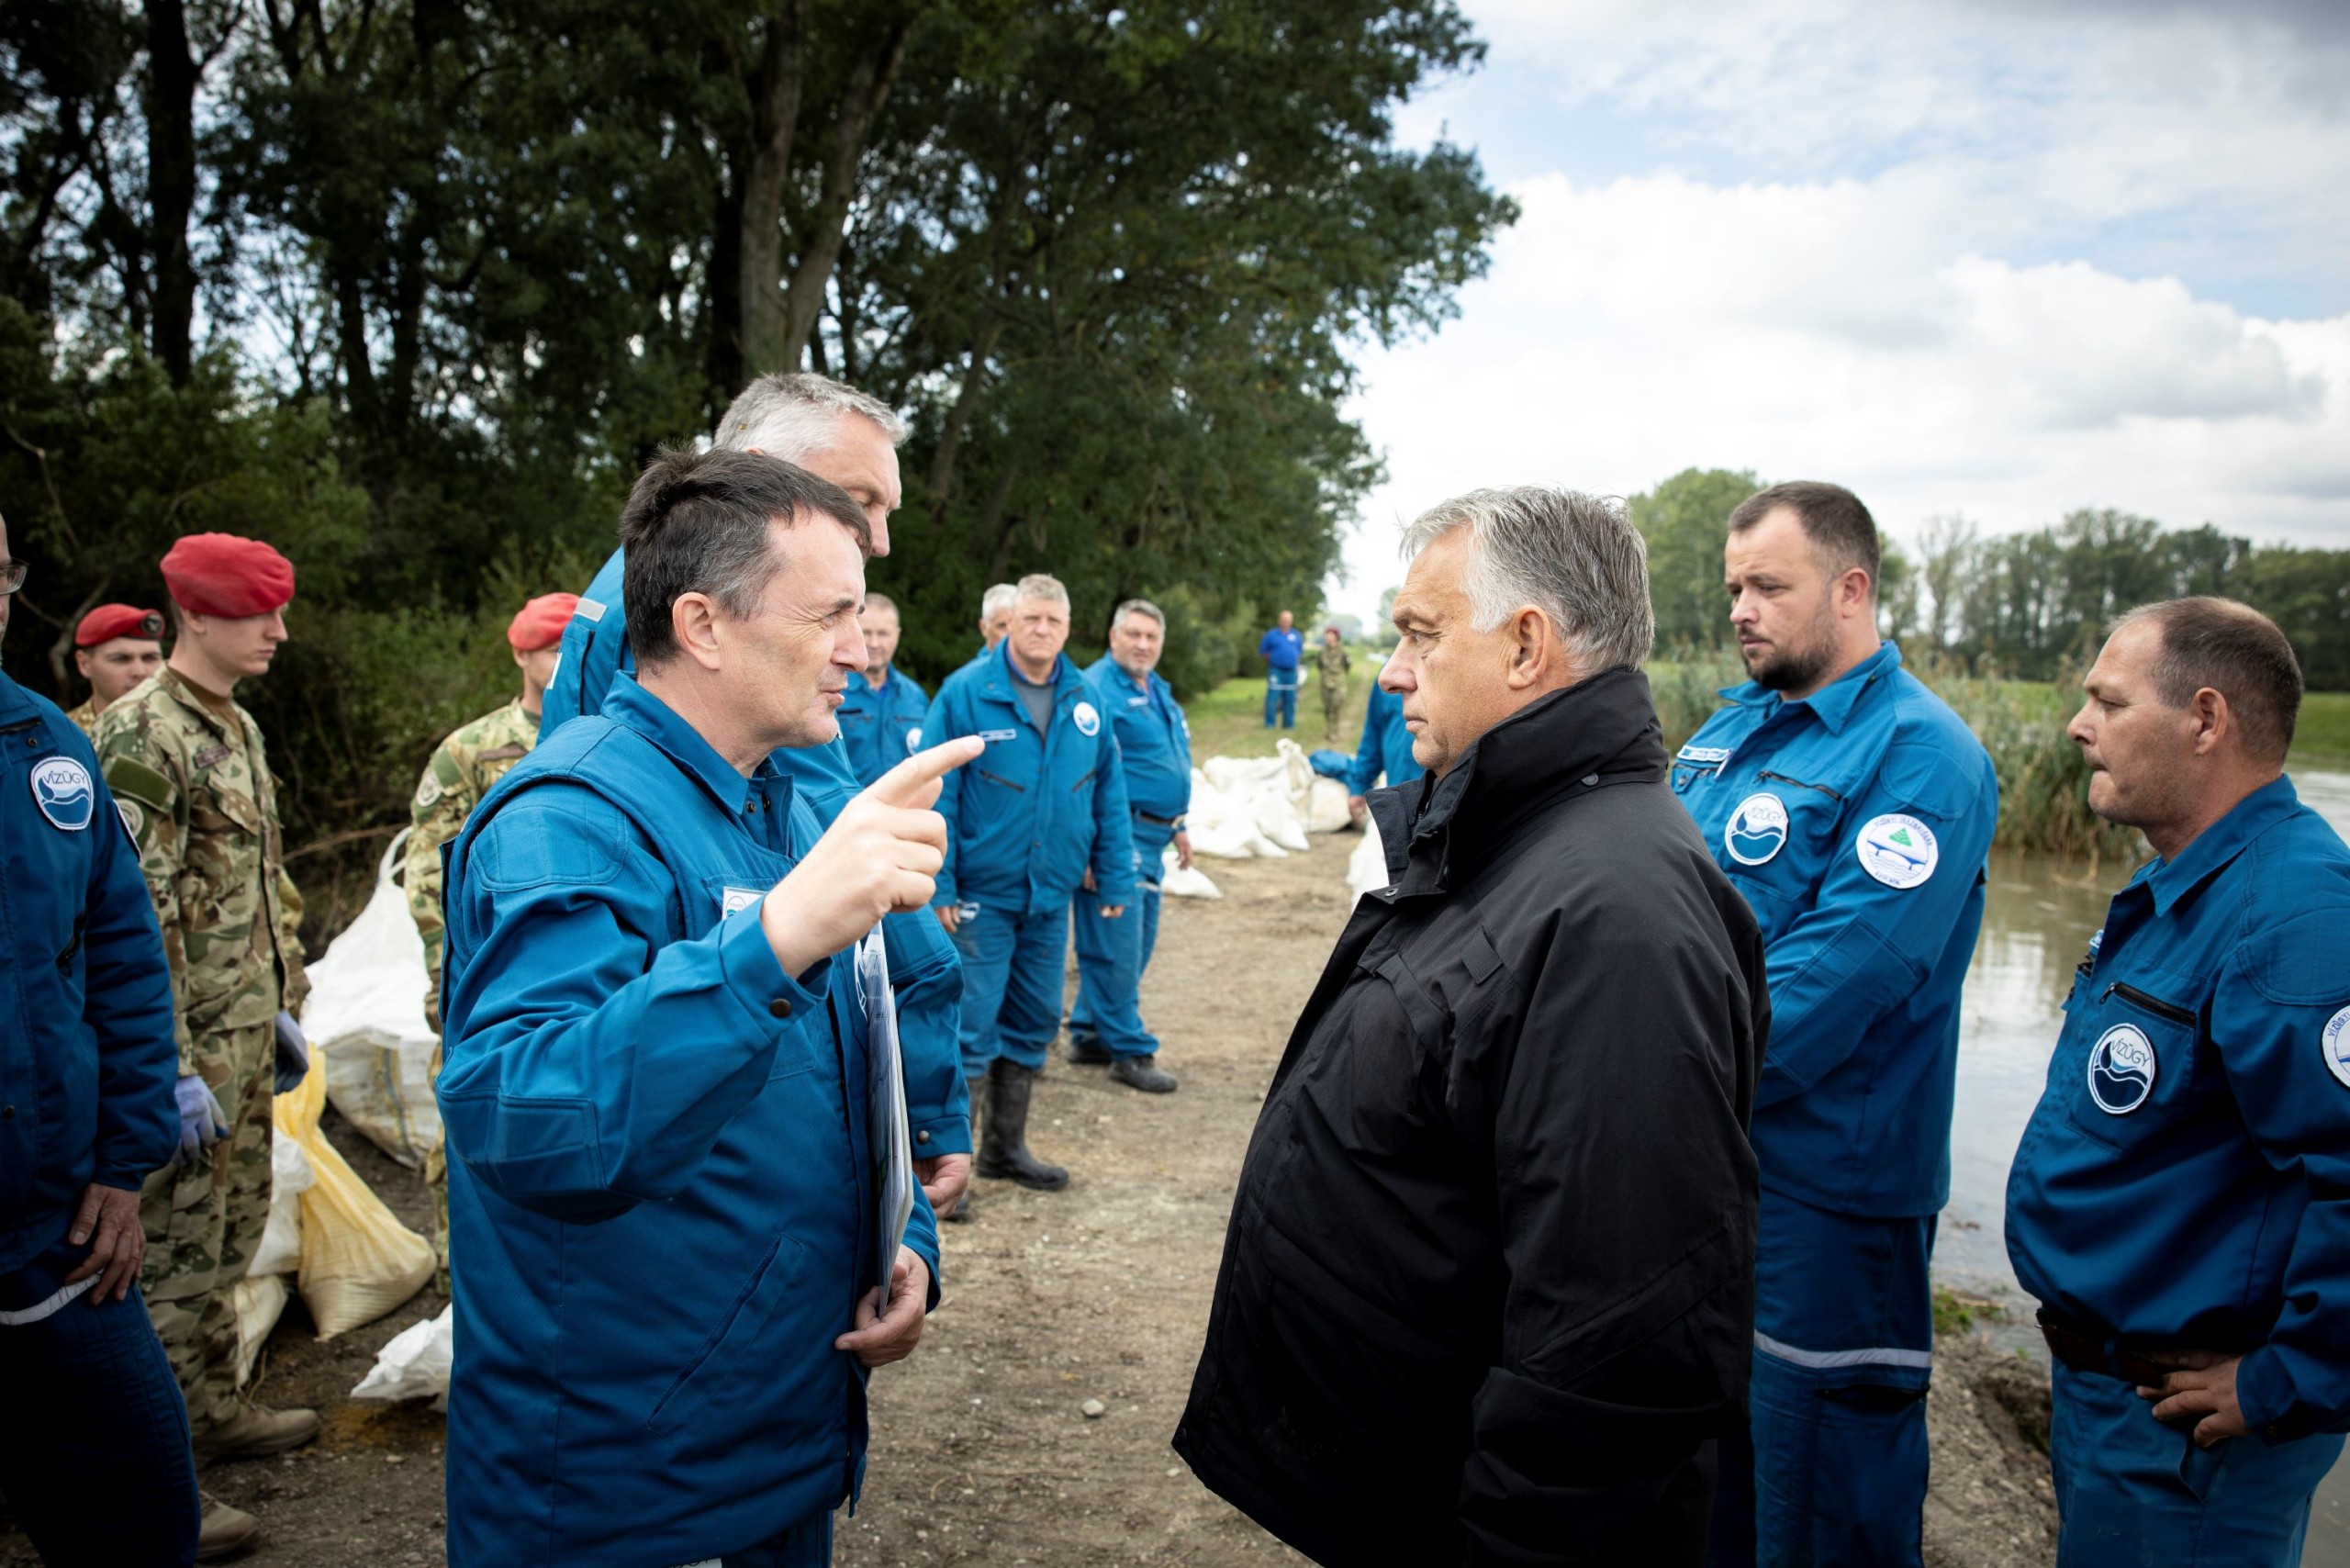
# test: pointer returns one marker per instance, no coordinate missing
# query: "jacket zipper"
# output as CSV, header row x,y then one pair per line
x,y
2144,1003
1005,782
1782,778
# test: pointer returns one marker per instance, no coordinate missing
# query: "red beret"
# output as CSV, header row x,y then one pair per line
x,y
108,621
540,624
219,574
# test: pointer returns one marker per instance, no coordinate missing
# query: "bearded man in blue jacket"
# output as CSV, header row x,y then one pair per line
x,y
656,1085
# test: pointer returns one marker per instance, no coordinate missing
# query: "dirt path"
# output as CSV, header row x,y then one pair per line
x,y
982,1452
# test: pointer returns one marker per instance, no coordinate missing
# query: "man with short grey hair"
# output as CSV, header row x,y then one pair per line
x,y
1487,1292
995,618
1106,1024
1042,813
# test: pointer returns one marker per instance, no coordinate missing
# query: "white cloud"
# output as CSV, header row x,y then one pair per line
x,y
2002,260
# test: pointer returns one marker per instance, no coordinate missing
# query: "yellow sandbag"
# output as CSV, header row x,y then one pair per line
x,y
358,1262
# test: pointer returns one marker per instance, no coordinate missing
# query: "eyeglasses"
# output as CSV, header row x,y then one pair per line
x,y
12,575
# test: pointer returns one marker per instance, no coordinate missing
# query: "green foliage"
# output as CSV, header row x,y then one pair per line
x,y
2321,738
1684,521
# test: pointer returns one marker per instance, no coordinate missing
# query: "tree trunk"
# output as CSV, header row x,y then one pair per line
x,y
170,185
867,89
763,166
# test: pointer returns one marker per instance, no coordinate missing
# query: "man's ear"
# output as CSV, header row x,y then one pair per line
x,y
693,618
1533,650
2214,720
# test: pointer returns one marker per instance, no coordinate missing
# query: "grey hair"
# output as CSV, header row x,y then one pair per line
x,y
880,601
1574,558
1001,596
1138,606
795,417
1041,585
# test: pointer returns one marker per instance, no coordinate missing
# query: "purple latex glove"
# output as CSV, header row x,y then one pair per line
x,y
202,1123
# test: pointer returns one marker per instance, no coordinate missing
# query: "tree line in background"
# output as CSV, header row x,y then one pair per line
x,y
413,288
2029,606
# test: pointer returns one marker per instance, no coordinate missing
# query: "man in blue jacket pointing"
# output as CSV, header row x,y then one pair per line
x,y
656,1091
1043,808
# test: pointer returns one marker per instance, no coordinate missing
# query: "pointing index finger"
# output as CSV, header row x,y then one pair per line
x,y
903,784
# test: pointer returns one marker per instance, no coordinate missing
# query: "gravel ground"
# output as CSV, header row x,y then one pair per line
x,y
984,1453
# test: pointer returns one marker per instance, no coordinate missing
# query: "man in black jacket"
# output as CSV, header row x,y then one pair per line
x,y
1487,1295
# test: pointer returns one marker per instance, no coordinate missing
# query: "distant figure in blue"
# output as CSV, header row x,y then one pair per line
x,y
1853,811
2180,1203
1386,750
881,715
1282,648
1041,814
657,1096
1105,1025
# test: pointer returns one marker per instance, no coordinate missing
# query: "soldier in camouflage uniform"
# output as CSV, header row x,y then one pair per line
x,y
463,767
1334,665
116,646
187,768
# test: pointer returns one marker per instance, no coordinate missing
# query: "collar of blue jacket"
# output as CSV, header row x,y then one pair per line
x,y
2215,846
627,702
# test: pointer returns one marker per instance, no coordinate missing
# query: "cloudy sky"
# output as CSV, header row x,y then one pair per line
x,y
1994,258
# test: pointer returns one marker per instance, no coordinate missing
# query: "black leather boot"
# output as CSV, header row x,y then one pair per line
x,y
1003,1133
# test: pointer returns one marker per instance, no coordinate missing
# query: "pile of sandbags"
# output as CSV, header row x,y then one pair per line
x,y
356,1260
366,1017
1244,806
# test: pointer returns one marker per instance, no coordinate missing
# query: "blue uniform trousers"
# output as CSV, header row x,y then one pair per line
x,y
1281,692
1012,965
94,1459
1834,1472
1111,957
2133,1491
808,1544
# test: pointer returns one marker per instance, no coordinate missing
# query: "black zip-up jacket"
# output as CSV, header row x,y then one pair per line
x,y
1487,1295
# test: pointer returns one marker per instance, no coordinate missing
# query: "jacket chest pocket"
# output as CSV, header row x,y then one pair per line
x,y
2138,1075
726,894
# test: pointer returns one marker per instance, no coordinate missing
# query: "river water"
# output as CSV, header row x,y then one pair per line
x,y
2037,918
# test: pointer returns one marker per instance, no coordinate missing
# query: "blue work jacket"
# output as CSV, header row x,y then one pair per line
x,y
86,1056
1282,649
661,1179
1386,745
1025,820
1857,822
881,729
1154,755
2185,1177
924,972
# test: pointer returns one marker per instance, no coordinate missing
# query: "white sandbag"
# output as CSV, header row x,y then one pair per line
x,y
1237,775
366,1017
255,1303
290,1176
1326,807
1177,882
1367,867
415,1365
1276,817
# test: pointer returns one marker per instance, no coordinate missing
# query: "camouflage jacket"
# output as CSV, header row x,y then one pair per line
x,y
197,796
1334,665
87,715
463,768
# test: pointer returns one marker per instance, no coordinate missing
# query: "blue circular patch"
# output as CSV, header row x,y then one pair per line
x,y
62,790
1757,830
2122,1069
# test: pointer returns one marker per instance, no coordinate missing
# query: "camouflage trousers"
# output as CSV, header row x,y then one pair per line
x,y
1333,702
436,1180
204,1224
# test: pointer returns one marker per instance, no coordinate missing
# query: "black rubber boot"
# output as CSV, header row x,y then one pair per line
x,y
1003,1133
1143,1073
